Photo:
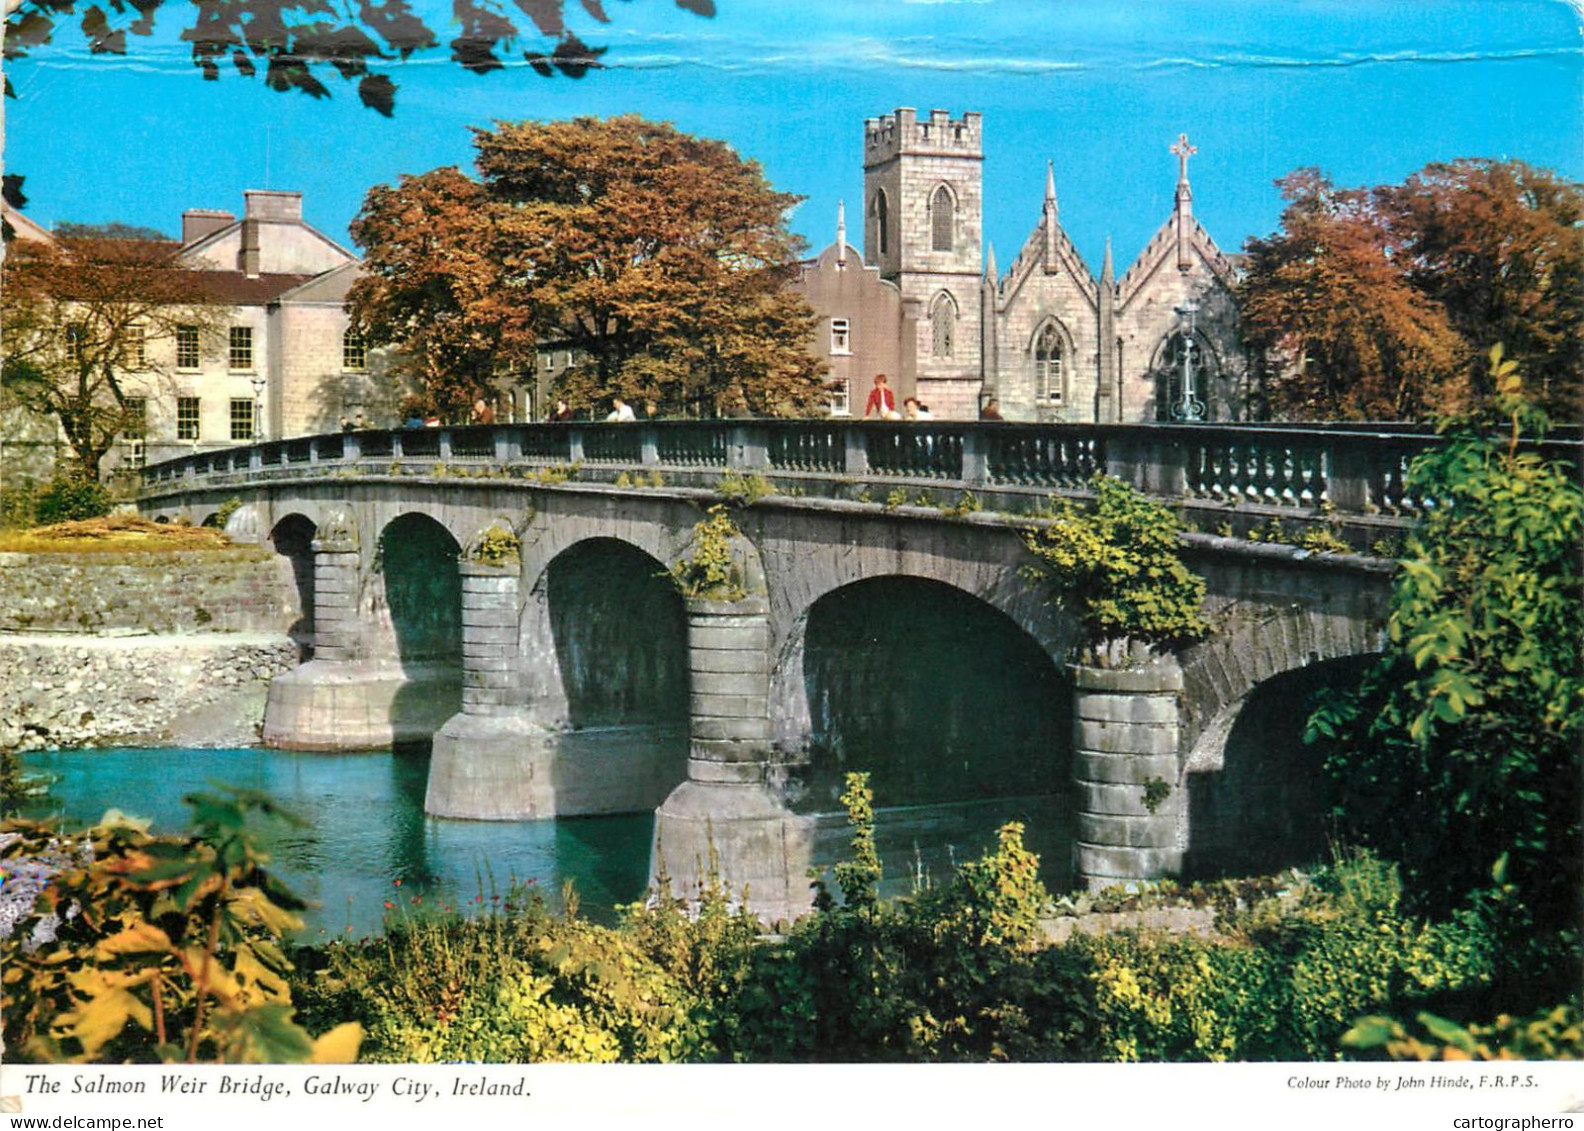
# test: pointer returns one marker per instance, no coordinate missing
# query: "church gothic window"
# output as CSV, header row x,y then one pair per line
x,y
941,216
943,327
879,221
1049,377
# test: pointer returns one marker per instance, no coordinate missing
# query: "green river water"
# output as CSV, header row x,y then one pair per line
x,y
366,830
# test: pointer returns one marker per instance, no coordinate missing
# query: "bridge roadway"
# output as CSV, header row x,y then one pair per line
x,y
885,625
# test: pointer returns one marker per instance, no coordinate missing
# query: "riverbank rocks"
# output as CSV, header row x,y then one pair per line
x,y
205,689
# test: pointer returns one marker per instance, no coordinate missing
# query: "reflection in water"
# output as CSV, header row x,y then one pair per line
x,y
365,830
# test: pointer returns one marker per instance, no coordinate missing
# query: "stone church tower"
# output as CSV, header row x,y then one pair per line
x,y
1048,340
923,209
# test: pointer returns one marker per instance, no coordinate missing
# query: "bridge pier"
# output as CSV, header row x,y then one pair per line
x,y
1126,773
725,813
493,760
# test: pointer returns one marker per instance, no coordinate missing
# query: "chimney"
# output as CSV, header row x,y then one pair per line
x,y
249,259
268,204
200,222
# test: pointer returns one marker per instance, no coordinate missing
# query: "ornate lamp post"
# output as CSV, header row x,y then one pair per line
x,y
258,382
1190,407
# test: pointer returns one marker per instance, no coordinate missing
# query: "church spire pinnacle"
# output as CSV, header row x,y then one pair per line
x,y
1184,194
841,233
990,264
1184,209
1107,271
1048,223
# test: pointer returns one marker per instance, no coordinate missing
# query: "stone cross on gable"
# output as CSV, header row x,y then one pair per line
x,y
1183,151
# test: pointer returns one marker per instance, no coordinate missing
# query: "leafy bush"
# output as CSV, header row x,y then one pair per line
x,y
1473,719
1553,1034
155,948
712,570
68,499
744,490
496,547
1118,568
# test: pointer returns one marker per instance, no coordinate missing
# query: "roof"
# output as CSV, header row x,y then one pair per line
x,y
236,289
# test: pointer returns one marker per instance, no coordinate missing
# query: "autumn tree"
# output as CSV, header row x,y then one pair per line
x,y
659,259
79,320
1338,329
1497,244
1382,302
432,283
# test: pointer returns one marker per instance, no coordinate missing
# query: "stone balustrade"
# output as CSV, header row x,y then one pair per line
x,y
1341,469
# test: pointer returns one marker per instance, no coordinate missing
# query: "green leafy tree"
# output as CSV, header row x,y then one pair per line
x,y
659,259
1460,753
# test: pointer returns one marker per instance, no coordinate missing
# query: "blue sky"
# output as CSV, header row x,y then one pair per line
x,y
1369,90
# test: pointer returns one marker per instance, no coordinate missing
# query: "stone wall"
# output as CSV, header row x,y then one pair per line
x,y
83,691
238,590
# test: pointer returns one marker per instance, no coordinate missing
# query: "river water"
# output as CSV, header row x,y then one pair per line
x,y
365,831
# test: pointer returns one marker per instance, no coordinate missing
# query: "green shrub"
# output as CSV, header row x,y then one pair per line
x,y
1117,567
67,500
1473,718
712,570
156,948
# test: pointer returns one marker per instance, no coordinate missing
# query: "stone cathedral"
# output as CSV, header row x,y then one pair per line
x,y
926,305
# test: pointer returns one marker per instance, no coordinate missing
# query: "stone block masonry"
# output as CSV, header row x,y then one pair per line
x,y
239,590
85,691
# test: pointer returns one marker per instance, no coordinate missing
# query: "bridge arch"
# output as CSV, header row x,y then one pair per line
x,y
1255,790
417,560
941,696
617,636
938,554
292,537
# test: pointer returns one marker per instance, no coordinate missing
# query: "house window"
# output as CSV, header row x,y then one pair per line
x,y
1048,364
241,418
135,454
943,327
841,341
134,351
354,351
241,353
187,416
187,347
941,209
841,398
134,418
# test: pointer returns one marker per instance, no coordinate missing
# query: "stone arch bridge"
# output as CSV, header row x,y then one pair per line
x,y
502,592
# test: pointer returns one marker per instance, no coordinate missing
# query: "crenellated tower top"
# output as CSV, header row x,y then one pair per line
x,y
891,135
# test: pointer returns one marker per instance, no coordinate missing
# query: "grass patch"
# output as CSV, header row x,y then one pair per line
x,y
113,534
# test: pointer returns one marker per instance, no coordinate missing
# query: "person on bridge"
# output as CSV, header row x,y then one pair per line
x,y
991,410
621,414
482,412
562,413
882,401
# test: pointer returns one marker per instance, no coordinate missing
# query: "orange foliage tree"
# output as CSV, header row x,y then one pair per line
x,y
659,259
1380,303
